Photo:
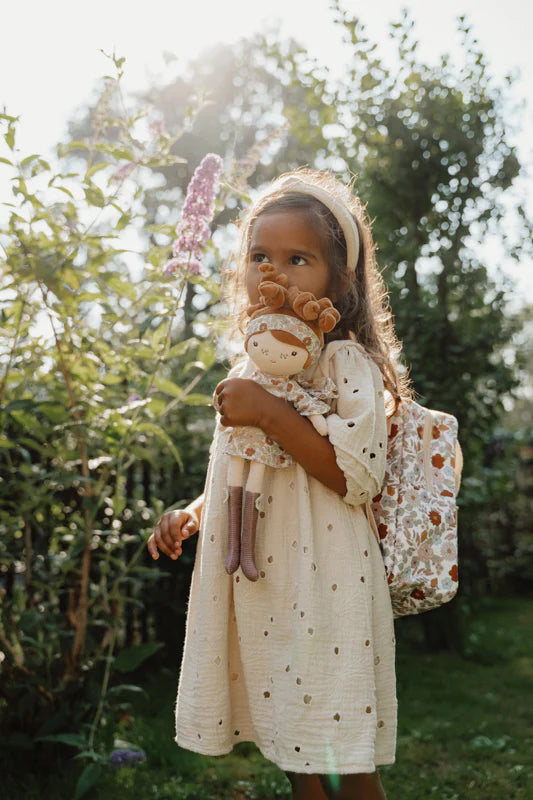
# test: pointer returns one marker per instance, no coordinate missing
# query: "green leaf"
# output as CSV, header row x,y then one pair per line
x,y
159,433
5,442
168,386
88,778
74,739
129,659
127,687
122,287
181,348
123,220
65,190
25,403
10,136
94,196
6,161
198,399
206,354
29,159
96,168
111,379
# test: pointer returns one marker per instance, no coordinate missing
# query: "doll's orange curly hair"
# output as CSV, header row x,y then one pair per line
x,y
276,295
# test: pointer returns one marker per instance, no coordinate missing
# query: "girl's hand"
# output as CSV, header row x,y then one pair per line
x,y
172,528
241,401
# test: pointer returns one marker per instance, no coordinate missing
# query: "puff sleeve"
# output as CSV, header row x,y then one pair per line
x,y
357,429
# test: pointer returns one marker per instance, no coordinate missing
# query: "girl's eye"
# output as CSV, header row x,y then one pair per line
x,y
300,259
258,257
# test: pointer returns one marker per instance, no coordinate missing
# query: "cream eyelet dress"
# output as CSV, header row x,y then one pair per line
x,y
302,661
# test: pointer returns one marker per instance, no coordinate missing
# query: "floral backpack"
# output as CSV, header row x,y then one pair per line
x,y
414,517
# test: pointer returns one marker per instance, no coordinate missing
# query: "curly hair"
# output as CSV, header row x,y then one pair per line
x,y
362,300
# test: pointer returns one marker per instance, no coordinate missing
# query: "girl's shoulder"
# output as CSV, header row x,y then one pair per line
x,y
346,347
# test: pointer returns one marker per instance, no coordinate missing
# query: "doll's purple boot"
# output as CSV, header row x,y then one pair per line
x,y
249,526
233,556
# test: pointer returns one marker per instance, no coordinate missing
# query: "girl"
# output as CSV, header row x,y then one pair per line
x,y
301,662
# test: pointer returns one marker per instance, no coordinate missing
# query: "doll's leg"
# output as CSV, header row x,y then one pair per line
x,y
254,485
235,492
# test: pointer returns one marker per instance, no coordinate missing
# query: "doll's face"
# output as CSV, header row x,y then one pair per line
x,y
274,357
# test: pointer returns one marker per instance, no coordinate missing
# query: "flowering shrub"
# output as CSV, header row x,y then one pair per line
x,y
96,373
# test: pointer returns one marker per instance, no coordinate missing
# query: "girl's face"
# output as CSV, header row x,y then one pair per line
x,y
287,240
275,357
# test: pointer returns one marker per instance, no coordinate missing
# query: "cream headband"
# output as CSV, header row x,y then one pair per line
x,y
338,209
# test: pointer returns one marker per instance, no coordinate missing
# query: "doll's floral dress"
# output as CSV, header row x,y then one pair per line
x,y
314,397
301,662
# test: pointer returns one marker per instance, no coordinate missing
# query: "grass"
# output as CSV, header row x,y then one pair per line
x,y
465,728
466,724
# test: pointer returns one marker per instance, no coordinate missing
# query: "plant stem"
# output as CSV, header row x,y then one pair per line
x,y
103,691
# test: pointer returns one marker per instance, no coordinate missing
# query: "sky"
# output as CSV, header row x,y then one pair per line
x,y
50,59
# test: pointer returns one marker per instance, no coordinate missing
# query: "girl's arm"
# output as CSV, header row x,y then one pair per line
x,y
244,402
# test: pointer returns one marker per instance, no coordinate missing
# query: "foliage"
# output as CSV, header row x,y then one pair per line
x,y
96,371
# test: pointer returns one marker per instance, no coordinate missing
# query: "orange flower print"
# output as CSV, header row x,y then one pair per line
x,y
377,498
418,594
393,430
446,493
268,440
434,582
382,530
390,491
437,461
454,573
435,517
435,432
420,431
250,451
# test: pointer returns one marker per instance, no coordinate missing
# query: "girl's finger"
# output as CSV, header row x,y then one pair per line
x,y
175,525
189,528
166,533
152,547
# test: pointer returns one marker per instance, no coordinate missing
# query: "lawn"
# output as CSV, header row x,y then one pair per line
x,y
465,728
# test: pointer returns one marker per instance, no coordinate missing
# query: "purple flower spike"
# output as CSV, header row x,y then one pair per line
x,y
127,758
193,231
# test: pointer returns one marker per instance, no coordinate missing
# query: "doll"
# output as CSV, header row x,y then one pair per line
x,y
283,338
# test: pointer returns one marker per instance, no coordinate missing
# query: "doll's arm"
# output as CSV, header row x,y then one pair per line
x,y
319,423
